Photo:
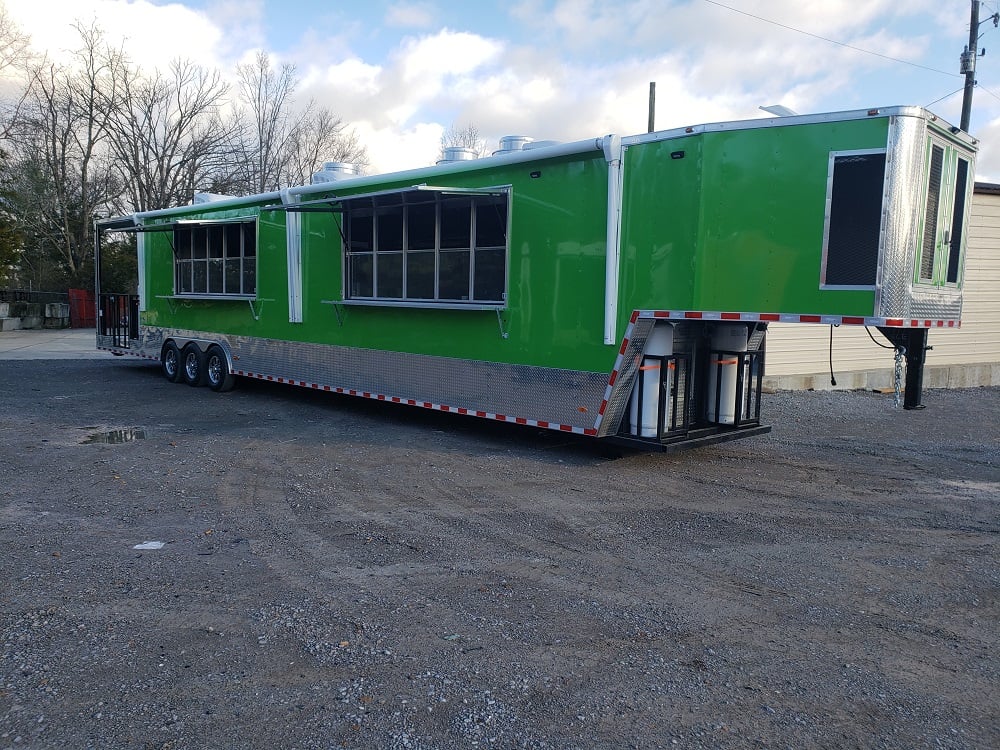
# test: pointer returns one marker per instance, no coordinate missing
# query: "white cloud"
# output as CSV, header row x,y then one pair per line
x,y
149,33
444,54
411,15
393,148
243,21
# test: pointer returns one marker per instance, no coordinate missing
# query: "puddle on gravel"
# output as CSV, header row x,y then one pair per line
x,y
116,437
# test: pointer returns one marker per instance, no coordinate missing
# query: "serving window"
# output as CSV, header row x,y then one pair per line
x,y
217,259
427,246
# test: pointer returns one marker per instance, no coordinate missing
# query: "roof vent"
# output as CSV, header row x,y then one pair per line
x,y
333,171
456,153
513,143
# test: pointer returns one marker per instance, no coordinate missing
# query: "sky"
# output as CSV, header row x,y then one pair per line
x,y
401,72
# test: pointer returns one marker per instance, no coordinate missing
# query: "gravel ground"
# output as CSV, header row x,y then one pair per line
x,y
337,573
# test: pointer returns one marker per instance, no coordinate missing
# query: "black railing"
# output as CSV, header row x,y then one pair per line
x,y
119,318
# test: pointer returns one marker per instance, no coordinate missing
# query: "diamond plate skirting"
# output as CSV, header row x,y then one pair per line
x,y
539,394
896,295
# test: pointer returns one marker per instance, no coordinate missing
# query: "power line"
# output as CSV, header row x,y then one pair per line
x,y
945,97
831,41
980,86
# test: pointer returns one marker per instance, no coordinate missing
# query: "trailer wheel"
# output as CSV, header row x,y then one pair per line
x,y
217,373
193,365
170,362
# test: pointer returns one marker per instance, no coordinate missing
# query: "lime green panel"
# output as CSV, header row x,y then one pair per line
x,y
660,224
555,293
736,223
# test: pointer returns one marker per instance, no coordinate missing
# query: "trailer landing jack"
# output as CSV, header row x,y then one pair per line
x,y
913,341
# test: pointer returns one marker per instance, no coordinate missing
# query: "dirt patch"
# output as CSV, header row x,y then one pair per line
x,y
337,573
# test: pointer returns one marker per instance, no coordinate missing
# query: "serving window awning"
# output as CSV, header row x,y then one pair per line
x,y
408,196
130,226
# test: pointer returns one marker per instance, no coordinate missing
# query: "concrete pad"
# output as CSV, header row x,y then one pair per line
x,y
76,343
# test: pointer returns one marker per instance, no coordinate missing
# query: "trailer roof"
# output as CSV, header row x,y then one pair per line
x,y
292,196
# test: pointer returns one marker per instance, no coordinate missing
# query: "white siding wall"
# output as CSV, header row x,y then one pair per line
x,y
798,355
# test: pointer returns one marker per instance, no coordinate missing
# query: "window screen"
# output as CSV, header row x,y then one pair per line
x,y
215,259
855,219
428,247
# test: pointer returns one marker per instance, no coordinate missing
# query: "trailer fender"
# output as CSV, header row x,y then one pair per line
x,y
204,344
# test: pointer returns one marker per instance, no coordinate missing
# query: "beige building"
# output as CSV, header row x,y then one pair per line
x,y
798,356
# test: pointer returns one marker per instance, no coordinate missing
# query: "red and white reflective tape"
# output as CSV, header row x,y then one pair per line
x,y
612,379
834,320
591,432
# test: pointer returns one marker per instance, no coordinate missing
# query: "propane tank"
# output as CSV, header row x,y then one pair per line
x,y
659,343
723,369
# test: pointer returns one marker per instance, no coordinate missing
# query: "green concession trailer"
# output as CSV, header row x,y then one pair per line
x,y
617,287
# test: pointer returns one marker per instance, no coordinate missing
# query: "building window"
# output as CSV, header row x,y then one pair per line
x,y
427,246
215,259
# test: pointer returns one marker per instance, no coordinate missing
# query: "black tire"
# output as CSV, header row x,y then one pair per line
x,y
193,365
217,374
170,362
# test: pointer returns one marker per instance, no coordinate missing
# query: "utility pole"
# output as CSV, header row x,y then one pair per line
x,y
652,106
969,65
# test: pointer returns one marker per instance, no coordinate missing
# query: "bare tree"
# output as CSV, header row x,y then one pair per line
x,y
319,137
166,132
464,136
14,53
267,94
58,170
280,144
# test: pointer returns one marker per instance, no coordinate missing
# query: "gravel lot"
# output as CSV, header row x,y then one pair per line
x,y
336,573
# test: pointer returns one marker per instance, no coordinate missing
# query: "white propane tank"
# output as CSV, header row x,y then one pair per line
x,y
659,343
725,338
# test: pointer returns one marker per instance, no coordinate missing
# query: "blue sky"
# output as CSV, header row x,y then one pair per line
x,y
403,71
